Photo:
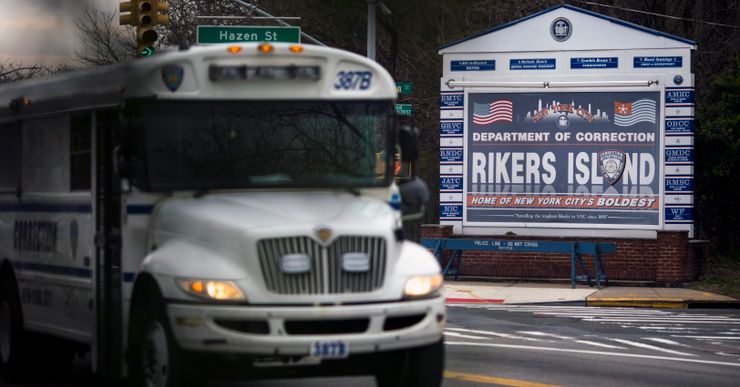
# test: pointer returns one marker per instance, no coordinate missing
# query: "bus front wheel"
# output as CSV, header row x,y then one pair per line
x,y
11,332
417,367
156,359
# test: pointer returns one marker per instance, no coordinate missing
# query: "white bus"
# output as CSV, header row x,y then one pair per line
x,y
222,211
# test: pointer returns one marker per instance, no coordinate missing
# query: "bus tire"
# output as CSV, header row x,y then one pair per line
x,y
12,338
155,358
416,367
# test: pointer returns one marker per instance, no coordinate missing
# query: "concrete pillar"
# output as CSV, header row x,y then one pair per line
x,y
672,261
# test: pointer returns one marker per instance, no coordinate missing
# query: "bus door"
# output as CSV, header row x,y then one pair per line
x,y
51,224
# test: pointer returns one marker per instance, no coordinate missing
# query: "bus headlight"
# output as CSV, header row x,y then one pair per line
x,y
422,285
211,289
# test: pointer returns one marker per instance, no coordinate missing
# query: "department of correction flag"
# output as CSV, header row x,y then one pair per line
x,y
484,114
630,113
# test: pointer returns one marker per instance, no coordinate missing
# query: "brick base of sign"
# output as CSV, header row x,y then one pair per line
x,y
667,259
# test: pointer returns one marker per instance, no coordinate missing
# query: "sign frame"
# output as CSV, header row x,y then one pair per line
x,y
659,173
400,109
405,88
199,31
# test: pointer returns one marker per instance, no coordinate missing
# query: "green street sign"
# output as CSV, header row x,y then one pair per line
x,y
247,34
404,109
404,88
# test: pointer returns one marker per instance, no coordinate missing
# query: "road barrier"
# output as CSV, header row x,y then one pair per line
x,y
441,246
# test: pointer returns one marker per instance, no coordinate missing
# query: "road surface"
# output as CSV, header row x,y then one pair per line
x,y
540,345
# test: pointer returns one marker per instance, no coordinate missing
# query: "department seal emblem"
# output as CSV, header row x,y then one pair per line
x,y
611,165
561,29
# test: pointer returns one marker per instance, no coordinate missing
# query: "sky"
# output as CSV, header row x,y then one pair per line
x,y
42,31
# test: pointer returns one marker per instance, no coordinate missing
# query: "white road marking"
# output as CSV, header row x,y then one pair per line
x,y
578,312
582,311
665,321
665,341
661,318
675,324
636,315
702,318
453,334
709,337
588,352
543,334
599,344
587,342
648,346
578,308
502,335
593,311
662,327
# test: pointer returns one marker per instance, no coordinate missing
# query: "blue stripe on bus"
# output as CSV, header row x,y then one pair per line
x,y
80,272
129,276
139,208
83,208
46,207
54,269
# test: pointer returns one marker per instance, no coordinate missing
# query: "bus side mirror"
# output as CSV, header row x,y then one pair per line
x,y
414,192
126,162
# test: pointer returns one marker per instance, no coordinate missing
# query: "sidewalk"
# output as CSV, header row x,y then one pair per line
x,y
544,293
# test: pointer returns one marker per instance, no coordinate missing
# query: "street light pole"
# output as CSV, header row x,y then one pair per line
x,y
371,6
280,21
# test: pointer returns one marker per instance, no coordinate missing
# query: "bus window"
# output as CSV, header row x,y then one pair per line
x,y
9,158
221,144
79,152
44,161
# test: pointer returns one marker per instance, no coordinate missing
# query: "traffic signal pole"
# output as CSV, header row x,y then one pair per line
x,y
257,10
371,5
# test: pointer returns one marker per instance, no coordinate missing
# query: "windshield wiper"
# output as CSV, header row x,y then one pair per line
x,y
202,192
354,191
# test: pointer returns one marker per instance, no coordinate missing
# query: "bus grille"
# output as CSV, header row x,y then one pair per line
x,y
326,275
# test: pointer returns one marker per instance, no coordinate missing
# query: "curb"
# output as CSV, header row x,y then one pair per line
x,y
449,279
662,303
454,300
458,301
638,303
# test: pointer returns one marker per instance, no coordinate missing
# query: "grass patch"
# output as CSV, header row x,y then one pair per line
x,y
723,276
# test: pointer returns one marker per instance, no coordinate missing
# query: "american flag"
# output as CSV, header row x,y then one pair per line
x,y
496,111
630,113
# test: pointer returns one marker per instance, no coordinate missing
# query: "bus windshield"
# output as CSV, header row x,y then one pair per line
x,y
203,145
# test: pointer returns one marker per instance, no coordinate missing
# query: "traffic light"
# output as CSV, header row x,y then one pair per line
x,y
129,8
144,15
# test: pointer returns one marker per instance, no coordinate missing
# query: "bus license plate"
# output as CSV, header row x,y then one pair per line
x,y
330,349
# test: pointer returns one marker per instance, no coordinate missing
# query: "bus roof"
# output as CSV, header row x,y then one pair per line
x,y
228,72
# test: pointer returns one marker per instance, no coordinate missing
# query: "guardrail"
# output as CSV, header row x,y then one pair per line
x,y
575,249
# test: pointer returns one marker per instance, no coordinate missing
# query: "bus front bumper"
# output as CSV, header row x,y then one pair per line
x,y
294,330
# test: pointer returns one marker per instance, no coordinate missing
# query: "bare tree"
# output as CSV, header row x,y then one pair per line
x,y
101,41
184,14
11,72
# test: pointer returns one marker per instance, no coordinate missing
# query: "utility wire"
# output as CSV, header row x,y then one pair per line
x,y
658,14
280,21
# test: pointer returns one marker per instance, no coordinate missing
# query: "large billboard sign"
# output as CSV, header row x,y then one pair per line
x,y
563,158
550,127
